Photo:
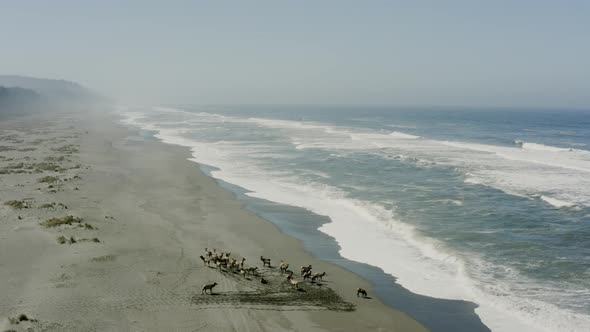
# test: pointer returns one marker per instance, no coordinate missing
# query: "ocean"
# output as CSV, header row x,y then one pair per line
x,y
490,206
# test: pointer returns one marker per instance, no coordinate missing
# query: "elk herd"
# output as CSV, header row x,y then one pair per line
x,y
225,263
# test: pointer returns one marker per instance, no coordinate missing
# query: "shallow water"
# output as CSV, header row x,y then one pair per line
x,y
491,207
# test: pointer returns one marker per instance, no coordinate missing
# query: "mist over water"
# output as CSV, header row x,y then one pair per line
x,y
491,207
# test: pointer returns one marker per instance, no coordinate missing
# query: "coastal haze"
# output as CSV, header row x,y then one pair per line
x,y
453,53
435,156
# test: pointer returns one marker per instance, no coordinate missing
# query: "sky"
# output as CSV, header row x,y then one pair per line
x,y
517,53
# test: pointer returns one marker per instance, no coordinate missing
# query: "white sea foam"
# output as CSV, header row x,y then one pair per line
x,y
557,203
557,173
451,201
131,118
578,160
397,134
362,228
542,147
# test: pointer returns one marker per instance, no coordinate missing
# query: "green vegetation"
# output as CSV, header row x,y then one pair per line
x,y
48,179
66,220
37,167
52,158
17,204
47,206
70,148
61,240
40,167
106,258
20,318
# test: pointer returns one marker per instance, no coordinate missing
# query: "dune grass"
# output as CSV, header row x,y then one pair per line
x,y
17,204
58,221
47,206
52,158
69,149
106,258
62,240
40,167
48,179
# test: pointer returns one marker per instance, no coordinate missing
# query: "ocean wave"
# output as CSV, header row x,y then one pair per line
x,y
536,169
578,160
542,147
511,169
414,160
557,203
456,202
131,118
401,126
397,134
550,188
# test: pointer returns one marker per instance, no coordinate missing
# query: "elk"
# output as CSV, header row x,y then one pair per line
x,y
205,260
283,267
208,287
252,270
305,269
242,263
361,292
265,261
318,276
294,283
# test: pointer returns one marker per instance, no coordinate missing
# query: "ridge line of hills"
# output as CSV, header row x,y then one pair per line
x,y
21,95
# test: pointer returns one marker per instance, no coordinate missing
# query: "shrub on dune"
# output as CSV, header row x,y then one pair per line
x,y
61,240
46,206
48,179
66,220
17,204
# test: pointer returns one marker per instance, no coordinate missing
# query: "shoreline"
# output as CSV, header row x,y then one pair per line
x,y
436,314
154,215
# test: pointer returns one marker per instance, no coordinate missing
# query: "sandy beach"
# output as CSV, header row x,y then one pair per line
x,y
102,231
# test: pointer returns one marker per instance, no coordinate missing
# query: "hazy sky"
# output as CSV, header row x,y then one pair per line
x,y
511,53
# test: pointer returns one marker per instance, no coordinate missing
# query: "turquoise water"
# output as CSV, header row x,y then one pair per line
x,y
489,206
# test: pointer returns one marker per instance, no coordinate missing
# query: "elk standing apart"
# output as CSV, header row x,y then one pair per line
x,y
208,287
361,292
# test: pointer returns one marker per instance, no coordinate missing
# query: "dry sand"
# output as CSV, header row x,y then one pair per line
x,y
147,215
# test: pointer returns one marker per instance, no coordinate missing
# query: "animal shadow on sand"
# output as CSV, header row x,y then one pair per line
x,y
276,294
